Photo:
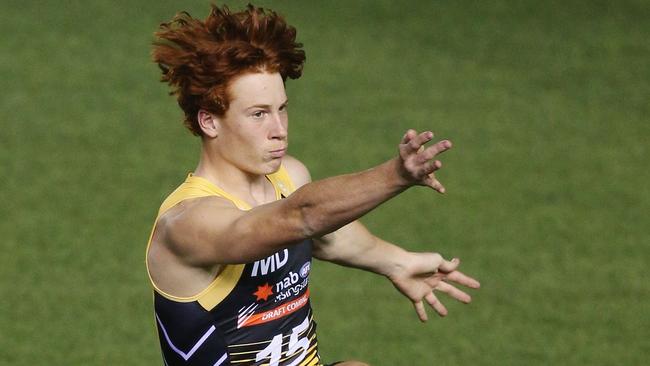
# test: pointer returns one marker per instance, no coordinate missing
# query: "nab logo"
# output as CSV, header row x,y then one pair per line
x,y
270,264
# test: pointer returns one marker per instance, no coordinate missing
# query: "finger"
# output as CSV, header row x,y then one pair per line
x,y
436,304
408,136
420,140
436,185
463,279
419,309
453,292
435,149
432,166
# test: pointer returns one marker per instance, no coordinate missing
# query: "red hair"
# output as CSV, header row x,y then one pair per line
x,y
199,59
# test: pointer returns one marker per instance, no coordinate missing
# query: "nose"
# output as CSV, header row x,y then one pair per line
x,y
279,129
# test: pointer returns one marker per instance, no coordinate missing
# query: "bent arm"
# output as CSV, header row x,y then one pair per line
x,y
415,275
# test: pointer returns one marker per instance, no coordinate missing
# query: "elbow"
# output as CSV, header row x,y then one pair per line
x,y
310,219
310,223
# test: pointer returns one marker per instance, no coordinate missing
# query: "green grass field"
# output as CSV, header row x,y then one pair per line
x,y
548,201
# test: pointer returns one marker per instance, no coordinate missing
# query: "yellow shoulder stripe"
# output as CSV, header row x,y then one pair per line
x,y
282,181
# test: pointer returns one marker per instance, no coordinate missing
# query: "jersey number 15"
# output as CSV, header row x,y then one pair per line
x,y
274,349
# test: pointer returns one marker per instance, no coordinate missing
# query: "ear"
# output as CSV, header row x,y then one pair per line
x,y
209,123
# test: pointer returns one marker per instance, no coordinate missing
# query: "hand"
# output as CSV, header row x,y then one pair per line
x,y
417,166
423,273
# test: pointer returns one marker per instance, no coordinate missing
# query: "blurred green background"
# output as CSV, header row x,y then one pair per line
x,y
547,204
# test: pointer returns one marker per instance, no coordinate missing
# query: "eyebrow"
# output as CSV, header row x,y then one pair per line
x,y
267,106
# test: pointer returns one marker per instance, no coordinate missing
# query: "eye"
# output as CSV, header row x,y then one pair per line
x,y
258,114
283,108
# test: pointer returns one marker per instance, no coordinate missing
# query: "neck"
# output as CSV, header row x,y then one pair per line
x,y
253,188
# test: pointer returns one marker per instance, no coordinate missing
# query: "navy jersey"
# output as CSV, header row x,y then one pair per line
x,y
252,314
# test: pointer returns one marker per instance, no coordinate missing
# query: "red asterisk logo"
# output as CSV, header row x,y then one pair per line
x,y
263,292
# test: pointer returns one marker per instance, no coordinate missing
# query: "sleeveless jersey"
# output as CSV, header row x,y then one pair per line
x,y
251,314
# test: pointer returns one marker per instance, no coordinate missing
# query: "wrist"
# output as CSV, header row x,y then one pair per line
x,y
396,264
394,172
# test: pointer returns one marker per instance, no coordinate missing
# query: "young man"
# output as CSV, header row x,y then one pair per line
x,y
230,253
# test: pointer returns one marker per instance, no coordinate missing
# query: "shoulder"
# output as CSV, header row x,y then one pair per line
x,y
297,171
188,214
182,227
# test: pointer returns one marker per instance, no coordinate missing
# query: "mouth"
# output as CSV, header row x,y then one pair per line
x,y
278,153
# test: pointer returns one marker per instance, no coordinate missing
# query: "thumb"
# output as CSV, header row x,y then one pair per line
x,y
449,266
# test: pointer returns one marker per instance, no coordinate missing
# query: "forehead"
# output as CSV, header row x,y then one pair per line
x,y
257,88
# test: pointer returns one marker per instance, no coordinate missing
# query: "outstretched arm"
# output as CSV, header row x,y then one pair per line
x,y
315,209
416,275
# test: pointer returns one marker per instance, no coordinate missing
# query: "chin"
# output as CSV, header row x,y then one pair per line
x,y
272,166
265,168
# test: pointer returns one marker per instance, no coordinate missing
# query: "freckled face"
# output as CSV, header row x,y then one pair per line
x,y
253,133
